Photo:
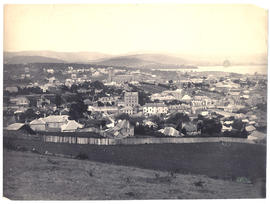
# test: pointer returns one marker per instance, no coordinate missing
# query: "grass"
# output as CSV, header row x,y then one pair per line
x,y
216,160
30,176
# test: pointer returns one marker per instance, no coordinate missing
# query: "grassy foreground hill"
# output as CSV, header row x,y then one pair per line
x,y
29,176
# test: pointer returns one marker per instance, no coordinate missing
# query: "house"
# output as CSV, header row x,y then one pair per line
x,y
150,124
64,111
71,126
53,123
38,125
176,93
245,120
20,101
226,128
162,97
128,110
204,113
104,109
155,109
12,89
186,98
257,136
190,128
250,128
24,128
228,122
122,129
170,131
108,99
202,102
51,80
87,101
43,102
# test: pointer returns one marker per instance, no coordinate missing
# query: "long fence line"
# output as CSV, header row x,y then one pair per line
x,y
136,141
125,141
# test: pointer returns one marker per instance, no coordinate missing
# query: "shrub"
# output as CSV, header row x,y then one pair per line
x,y
21,149
82,156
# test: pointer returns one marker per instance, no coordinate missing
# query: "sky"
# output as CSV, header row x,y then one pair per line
x,y
125,28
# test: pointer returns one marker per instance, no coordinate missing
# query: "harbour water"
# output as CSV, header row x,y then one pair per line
x,y
240,69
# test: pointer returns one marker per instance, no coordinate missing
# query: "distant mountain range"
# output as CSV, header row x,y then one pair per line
x,y
144,60
68,57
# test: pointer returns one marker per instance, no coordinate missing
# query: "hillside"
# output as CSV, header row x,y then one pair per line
x,y
31,59
157,61
29,176
143,60
79,57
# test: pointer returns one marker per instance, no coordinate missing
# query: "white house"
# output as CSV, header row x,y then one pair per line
x,y
38,125
71,126
155,109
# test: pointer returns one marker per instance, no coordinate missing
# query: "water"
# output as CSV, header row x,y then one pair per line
x,y
240,69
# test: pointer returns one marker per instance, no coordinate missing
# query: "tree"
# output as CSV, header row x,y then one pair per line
x,y
238,125
143,98
177,118
211,126
179,126
158,120
100,103
58,100
123,116
76,110
97,85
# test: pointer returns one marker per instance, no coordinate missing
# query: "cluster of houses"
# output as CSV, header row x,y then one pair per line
x,y
223,97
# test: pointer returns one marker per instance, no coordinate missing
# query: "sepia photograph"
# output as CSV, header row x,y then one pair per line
x,y
134,101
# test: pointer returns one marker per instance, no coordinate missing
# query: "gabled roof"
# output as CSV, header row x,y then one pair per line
x,y
127,108
15,126
256,135
37,122
71,125
56,118
170,131
250,128
186,97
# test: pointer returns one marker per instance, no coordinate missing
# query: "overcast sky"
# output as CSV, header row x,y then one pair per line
x,y
118,29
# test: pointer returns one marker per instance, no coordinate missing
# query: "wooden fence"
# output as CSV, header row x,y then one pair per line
x,y
136,141
126,141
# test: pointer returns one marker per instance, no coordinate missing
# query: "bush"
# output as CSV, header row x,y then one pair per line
x,y
82,156
21,149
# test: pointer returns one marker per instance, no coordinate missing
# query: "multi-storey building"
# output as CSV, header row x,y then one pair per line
x,y
131,99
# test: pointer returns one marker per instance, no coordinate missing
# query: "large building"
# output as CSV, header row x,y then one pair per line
x,y
155,109
131,99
